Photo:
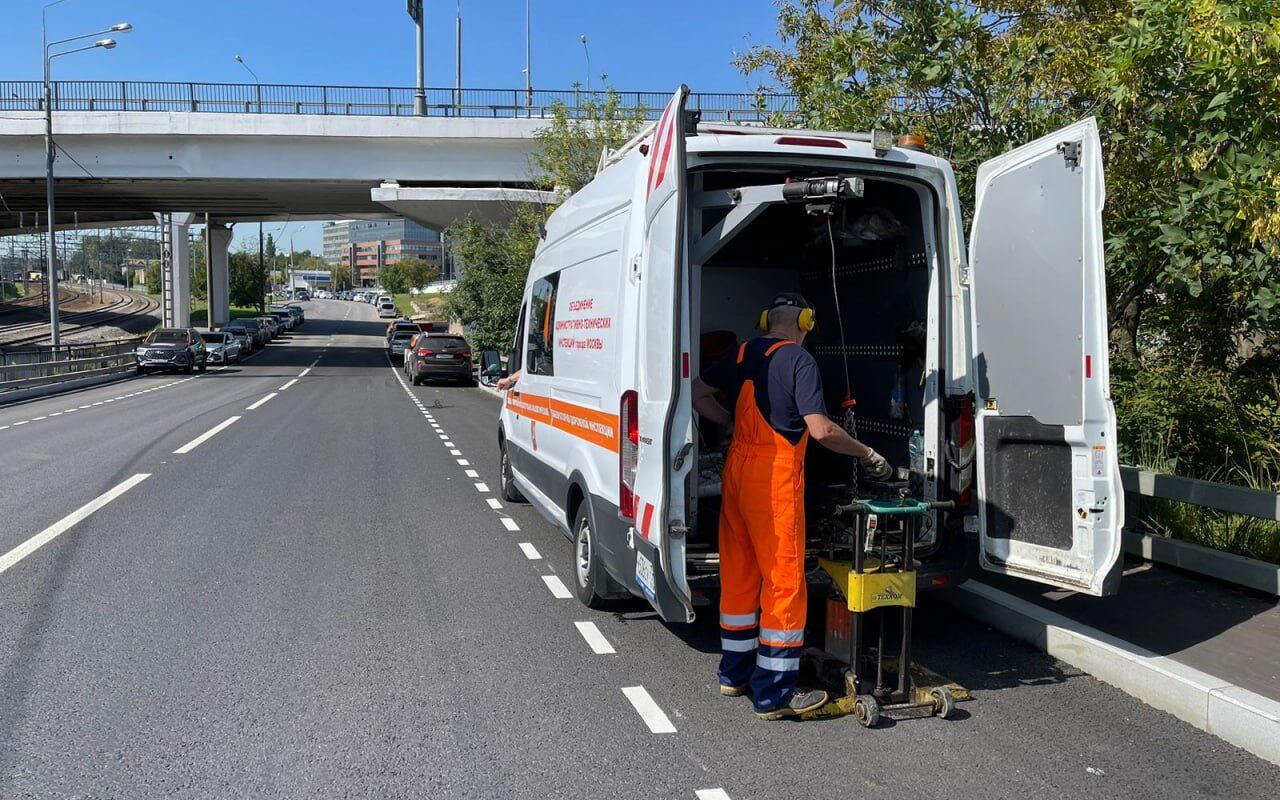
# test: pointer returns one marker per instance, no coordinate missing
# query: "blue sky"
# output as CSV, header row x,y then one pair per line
x,y
651,45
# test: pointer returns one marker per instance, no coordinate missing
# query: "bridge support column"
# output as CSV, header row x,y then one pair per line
x,y
219,239
178,295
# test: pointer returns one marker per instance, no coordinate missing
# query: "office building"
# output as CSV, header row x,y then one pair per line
x,y
371,244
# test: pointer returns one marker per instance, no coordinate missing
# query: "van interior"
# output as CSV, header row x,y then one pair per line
x,y
863,263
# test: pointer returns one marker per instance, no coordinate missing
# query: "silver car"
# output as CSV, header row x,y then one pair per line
x,y
223,347
399,343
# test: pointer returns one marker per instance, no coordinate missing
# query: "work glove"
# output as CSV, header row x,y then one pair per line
x,y
876,467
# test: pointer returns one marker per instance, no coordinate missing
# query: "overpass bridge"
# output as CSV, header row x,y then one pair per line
x,y
253,152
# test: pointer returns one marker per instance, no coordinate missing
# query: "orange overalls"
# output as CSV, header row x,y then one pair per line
x,y
762,585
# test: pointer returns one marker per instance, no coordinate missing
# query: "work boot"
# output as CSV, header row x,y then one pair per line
x,y
799,702
733,691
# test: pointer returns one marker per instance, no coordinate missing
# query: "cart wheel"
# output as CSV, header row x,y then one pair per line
x,y
866,710
944,702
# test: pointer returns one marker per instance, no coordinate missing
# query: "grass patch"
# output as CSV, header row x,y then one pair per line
x,y
404,304
10,290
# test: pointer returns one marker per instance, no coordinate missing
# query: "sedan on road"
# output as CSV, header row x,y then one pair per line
x,y
286,319
399,344
256,328
242,336
173,349
223,347
440,355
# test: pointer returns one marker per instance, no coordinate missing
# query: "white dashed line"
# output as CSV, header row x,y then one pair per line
x,y
471,473
261,402
24,422
462,462
599,645
206,436
287,385
494,504
480,487
303,374
557,587
447,443
56,414
66,523
2,427
648,710
510,524
712,794
37,419
455,452
530,552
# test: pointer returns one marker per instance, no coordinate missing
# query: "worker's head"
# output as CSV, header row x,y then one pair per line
x,y
789,316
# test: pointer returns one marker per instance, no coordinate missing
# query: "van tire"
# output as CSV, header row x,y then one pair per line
x,y
588,573
506,479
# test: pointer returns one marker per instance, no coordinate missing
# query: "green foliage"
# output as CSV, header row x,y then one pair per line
x,y
1192,220
393,278
494,261
417,272
569,147
245,280
340,276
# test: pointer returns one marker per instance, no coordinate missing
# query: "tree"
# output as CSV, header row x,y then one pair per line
x,y
244,280
418,273
494,261
569,147
393,278
340,276
1192,220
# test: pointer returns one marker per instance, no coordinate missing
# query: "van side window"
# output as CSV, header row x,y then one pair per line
x,y
515,361
542,325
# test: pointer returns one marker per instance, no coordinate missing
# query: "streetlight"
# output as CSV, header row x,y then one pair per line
x,y
262,271
51,265
528,53
587,53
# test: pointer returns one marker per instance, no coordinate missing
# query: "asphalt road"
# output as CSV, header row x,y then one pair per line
x,y
317,600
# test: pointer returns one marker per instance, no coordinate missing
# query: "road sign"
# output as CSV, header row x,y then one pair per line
x,y
414,7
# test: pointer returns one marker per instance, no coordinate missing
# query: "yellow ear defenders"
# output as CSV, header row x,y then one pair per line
x,y
804,322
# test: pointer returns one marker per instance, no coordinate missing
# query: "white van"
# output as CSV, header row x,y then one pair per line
x,y
997,357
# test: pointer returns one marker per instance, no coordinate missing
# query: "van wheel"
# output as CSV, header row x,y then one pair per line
x,y
587,573
507,479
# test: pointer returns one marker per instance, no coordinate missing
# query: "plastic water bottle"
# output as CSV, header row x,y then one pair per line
x,y
916,450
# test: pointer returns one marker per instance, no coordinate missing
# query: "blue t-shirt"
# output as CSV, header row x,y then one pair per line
x,y
791,390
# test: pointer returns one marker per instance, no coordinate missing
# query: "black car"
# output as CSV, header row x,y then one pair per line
x,y
439,355
255,327
173,349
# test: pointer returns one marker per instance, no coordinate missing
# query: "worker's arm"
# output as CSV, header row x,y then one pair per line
x,y
831,436
704,401
509,381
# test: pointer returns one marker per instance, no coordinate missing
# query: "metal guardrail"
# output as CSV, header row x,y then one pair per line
x,y
37,366
1206,494
382,101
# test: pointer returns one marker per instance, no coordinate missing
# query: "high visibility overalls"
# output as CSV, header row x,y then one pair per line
x,y
762,585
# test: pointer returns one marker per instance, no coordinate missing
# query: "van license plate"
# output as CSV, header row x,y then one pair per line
x,y
644,574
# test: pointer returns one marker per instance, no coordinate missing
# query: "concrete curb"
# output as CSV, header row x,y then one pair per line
x,y
1235,715
37,392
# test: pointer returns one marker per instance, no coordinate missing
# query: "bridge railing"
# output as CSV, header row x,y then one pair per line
x,y
23,368
380,101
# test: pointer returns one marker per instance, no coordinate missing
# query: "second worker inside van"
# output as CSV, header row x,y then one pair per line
x,y
774,389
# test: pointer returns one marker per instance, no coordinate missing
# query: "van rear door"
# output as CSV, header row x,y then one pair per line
x,y
1050,505
664,432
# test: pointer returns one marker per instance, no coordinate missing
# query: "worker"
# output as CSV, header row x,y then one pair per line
x,y
775,390
510,381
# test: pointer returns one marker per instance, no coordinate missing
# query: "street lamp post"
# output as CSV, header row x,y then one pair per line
x,y
51,259
586,53
420,93
528,53
262,270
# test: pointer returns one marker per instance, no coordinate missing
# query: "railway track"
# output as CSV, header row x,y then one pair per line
x,y
124,306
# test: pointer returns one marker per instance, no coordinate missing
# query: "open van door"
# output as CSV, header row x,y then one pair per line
x,y
663,414
1050,502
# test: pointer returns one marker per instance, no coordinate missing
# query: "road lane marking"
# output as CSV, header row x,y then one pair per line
x,y
480,487
711,794
455,452
648,710
494,504
557,587
287,385
599,645
37,419
447,443
471,473
66,523
462,462
24,422
510,524
56,414
261,402
206,436
530,552
2,427
303,374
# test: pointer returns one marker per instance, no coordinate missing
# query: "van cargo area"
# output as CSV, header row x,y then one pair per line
x,y
867,266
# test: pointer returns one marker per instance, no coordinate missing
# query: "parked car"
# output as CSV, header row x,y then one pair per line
x,y
299,316
401,325
301,294
172,349
286,319
243,337
398,343
223,347
272,325
439,355
251,328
